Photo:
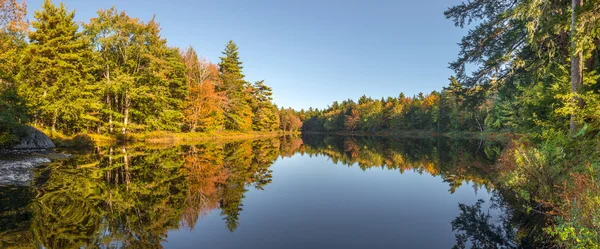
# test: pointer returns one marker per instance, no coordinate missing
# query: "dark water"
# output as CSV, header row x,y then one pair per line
x,y
316,192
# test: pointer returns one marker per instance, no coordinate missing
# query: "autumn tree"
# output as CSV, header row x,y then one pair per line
x,y
288,120
13,31
204,105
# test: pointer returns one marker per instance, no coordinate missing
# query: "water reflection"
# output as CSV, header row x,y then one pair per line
x,y
132,196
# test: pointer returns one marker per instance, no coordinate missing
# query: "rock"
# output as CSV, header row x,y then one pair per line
x,y
35,140
18,171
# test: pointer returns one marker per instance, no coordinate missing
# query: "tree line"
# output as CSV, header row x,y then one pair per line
x,y
518,70
116,74
439,112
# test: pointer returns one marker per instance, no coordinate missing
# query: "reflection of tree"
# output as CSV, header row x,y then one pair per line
x,y
476,226
513,227
148,200
456,161
14,217
205,174
68,208
132,196
237,159
248,163
289,145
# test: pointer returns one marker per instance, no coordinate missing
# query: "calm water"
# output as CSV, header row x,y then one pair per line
x,y
316,192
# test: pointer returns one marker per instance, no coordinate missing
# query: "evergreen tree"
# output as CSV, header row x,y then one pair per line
x,y
54,72
238,113
264,118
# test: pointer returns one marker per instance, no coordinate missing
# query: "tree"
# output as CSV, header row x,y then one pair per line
x,y
514,48
13,28
265,117
238,113
142,80
54,72
289,120
204,105
576,62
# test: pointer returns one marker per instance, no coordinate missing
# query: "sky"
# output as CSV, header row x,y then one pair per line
x,y
311,52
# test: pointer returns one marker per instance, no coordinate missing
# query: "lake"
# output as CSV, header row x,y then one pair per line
x,y
282,192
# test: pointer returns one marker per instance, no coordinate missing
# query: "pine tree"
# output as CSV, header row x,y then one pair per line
x,y
264,118
54,70
238,113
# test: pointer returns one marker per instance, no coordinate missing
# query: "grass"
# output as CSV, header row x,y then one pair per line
x,y
159,137
81,140
85,140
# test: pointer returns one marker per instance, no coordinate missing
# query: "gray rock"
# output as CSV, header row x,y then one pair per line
x,y
34,140
18,171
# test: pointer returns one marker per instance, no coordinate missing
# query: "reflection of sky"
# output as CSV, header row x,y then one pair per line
x,y
313,203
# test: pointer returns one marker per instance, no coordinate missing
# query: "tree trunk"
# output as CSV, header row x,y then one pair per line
x,y
125,111
126,178
108,102
576,65
54,118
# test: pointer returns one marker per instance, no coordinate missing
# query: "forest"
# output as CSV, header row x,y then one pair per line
x,y
116,74
528,69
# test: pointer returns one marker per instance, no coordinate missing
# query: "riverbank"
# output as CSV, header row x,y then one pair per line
x,y
492,136
84,140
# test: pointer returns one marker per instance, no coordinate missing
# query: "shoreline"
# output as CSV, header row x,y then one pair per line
x,y
495,136
83,140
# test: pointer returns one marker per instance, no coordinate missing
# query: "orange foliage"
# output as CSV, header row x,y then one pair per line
x,y
204,105
13,16
431,100
204,173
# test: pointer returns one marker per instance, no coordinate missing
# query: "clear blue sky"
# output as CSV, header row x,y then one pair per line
x,y
311,52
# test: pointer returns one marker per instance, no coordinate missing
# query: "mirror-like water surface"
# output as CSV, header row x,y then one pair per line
x,y
311,192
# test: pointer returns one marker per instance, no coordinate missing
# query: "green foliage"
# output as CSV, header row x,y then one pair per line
x,y
14,114
238,113
54,70
441,112
141,80
265,116
521,55
575,235
116,74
